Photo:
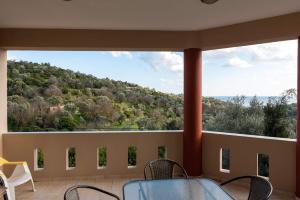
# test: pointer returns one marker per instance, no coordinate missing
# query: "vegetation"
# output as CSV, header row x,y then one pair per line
x,y
132,156
40,159
102,157
263,165
277,118
46,98
162,153
226,159
72,157
42,97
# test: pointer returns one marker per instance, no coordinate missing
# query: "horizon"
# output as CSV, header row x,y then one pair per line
x,y
262,70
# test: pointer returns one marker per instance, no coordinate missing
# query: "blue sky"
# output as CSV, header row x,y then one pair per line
x,y
263,70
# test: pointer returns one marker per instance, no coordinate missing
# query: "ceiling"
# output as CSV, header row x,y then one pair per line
x,y
138,14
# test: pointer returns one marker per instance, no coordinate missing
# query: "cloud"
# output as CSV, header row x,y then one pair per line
x,y
12,58
173,82
277,51
167,60
268,69
237,62
120,53
172,85
253,55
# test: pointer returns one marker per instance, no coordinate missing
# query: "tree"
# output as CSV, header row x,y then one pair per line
x,y
55,100
67,121
52,90
276,120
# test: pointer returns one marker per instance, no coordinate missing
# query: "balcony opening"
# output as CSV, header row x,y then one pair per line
x,y
251,89
71,158
162,152
38,159
263,165
102,158
53,91
225,160
132,155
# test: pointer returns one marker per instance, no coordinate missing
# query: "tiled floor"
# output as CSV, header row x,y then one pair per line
x,y
54,190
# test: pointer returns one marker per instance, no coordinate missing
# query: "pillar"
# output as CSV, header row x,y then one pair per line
x,y
298,126
192,135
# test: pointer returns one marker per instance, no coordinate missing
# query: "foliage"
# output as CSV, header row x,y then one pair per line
x,y
162,153
102,157
72,157
263,165
226,159
276,119
132,156
277,122
40,159
42,97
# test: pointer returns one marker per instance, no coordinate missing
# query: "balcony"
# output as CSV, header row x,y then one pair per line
x,y
55,177
188,26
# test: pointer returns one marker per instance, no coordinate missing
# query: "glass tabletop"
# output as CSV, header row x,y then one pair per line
x,y
174,189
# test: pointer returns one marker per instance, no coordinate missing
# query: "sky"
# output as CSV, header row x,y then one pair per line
x,y
263,70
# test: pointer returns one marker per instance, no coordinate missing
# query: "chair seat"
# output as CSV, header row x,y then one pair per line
x,y
19,180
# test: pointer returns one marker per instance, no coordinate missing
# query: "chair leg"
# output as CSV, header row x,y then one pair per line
x,y
11,195
32,184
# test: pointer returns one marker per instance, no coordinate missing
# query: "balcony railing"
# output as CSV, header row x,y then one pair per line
x,y
244,151
55,146
242,154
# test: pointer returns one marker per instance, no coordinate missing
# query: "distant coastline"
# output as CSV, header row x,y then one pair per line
x,y
263,99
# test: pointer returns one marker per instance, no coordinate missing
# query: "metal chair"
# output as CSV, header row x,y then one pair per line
x,y
72,192
163,169
260,188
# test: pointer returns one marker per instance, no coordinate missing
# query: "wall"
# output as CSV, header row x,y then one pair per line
x,y
243,153
21,147
243,157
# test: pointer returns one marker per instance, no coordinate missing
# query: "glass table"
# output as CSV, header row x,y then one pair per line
x,y
174,189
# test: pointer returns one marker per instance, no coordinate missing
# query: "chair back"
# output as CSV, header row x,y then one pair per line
x,y
3,161
73,194
163,169
260,189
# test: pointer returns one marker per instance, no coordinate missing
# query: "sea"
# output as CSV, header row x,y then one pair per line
x,y
263,99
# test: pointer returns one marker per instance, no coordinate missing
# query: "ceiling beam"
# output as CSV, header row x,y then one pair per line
x,y
266,30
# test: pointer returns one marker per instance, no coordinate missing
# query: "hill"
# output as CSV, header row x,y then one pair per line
x,y
42,97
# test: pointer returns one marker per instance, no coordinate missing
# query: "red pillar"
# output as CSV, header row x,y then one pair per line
x,y
298,126
192,136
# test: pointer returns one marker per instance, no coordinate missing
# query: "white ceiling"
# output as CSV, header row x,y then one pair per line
x,y
138,14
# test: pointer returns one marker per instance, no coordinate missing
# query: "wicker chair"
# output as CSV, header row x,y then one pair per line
x,y
163,169
260,188
72,192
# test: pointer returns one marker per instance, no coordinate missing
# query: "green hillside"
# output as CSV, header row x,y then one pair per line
x,y
42,97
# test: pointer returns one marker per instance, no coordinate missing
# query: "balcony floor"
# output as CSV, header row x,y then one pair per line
x,y
52,190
